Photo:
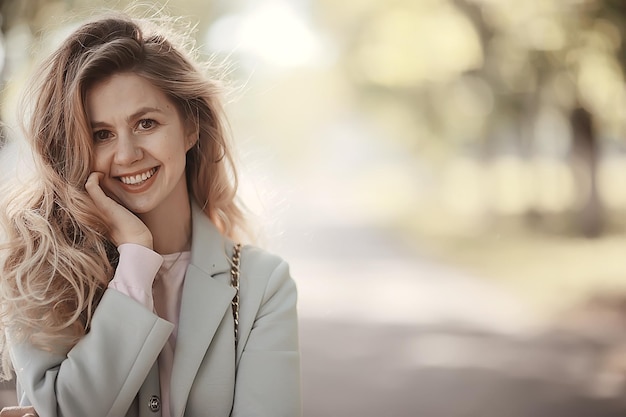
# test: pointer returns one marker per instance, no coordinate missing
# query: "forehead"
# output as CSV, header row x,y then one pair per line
x,y
120,95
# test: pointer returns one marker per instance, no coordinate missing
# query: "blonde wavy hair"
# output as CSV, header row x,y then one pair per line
x,y
56,260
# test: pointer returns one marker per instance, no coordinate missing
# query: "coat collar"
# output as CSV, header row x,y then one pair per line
x,y
205,299
209,248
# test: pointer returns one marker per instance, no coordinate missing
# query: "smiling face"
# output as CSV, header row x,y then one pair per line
x,y
140,144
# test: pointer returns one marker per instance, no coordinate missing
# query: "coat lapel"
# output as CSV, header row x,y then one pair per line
x,y
205,300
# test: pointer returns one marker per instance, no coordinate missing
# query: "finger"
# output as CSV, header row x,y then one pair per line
x,y
93,181
96,193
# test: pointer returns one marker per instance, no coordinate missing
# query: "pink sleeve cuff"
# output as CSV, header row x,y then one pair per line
x,y
135,273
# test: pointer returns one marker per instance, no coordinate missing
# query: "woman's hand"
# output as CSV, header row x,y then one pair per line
x,y
125,226
18,412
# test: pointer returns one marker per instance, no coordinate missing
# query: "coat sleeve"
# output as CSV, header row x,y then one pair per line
x,y
103,372
268,374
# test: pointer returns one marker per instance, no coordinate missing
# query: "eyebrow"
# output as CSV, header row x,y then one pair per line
x,y
138,114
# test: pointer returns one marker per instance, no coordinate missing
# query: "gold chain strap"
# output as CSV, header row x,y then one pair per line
x,y
234,281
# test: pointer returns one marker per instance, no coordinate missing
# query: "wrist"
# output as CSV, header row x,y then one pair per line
x,y
143,239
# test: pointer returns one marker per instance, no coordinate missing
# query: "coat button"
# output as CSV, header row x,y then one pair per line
x,y
154,403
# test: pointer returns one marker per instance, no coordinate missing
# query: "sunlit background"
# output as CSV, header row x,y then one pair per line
x,y
447,179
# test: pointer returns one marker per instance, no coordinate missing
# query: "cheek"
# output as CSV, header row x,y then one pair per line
x,y
99,161
97,164
176,152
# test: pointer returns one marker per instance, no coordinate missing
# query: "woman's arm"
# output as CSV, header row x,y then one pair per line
x,y
103,372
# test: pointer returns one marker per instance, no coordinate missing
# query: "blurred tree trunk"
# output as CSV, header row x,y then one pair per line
x,y
585,152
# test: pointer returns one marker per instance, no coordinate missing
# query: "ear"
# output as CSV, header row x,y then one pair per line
x,y
191,135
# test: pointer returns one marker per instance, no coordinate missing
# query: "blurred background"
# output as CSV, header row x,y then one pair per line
x,y
447,179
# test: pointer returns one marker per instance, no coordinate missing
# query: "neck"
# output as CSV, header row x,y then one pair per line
x,y
170,223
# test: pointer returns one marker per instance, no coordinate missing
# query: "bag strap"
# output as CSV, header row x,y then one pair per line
x,y
234,282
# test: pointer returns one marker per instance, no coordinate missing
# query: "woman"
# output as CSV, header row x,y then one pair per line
x,y
115,290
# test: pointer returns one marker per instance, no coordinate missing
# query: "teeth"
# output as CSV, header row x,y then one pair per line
x,y
139,178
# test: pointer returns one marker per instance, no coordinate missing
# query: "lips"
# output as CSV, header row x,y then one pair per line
x,y
138,179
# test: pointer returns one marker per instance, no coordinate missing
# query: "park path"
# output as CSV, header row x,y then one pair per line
x,y
386,331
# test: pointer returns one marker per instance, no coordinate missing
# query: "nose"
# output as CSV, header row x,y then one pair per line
x,y
126,151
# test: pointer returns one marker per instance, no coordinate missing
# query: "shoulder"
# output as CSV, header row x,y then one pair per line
x,y
259,260
265,273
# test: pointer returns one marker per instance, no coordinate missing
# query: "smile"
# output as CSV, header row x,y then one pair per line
x,y
139,178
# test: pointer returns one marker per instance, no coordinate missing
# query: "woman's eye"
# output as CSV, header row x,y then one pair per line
x,y
101,135
145,124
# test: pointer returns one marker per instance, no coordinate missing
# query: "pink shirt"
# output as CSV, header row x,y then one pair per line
x,y
156,281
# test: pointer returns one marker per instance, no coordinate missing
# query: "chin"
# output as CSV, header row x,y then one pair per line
x,y
138,208
141,210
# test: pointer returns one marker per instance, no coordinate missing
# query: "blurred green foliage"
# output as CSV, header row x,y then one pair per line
x,y
463,122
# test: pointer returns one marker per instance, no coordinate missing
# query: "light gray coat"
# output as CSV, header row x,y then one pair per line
x,y
112,371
